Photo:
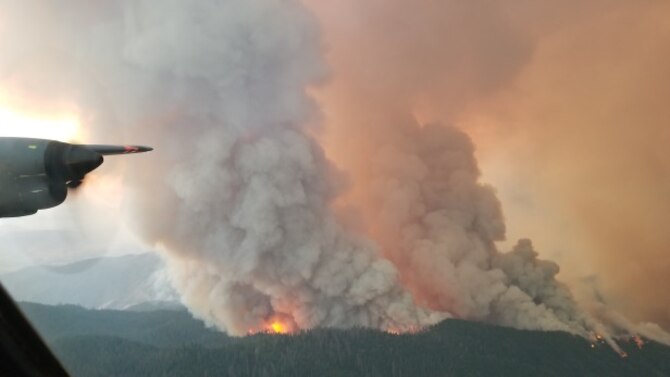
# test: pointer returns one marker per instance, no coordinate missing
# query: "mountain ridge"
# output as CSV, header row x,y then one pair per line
x,y
118,282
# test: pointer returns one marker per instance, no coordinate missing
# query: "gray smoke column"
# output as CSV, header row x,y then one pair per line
x,y
438,226
237,193
251,240
241,199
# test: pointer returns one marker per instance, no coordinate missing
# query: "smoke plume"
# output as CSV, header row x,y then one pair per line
x,y
256,221
552,95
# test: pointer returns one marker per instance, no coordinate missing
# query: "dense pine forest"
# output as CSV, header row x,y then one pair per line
x,y
171,343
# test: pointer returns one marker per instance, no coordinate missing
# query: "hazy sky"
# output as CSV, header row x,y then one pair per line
x,y
88,226
565,103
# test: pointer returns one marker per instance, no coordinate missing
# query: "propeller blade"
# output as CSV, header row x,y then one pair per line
x,y
107,150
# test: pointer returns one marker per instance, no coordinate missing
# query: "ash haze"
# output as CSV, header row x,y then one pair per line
x,y
565,102
313,163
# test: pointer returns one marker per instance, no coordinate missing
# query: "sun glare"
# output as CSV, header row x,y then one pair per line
x,y
18,124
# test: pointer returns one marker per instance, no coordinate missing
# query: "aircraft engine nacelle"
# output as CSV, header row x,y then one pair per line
x,y
35,173
27,195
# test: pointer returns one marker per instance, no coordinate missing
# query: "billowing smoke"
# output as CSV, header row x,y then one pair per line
x,y
256,223
252,240
438,225
563,100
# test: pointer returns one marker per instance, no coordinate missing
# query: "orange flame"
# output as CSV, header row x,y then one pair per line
x,y
278,327
405,330
275,325
393,331
639,342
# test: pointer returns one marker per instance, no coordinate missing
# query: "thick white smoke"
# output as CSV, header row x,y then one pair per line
x,y
257,243
438,225
252,238
239,196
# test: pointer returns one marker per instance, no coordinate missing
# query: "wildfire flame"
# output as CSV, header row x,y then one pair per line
x,y
400,331
639,342
275,325
393,331
278,327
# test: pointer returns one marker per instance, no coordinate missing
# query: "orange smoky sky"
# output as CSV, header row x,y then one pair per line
x,y
566,102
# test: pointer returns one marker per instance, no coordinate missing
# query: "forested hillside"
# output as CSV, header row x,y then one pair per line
x,y
171,343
